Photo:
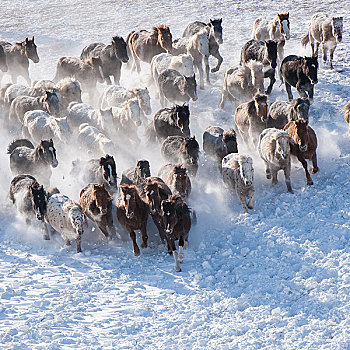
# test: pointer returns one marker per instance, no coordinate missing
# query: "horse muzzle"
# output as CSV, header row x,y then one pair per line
x,y
247,183
195,98
130,216
35,59
303,148
125,59
313,82
54,164
40,217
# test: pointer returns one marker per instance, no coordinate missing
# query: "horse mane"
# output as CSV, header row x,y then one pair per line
x,y
179,169
229,135
19,143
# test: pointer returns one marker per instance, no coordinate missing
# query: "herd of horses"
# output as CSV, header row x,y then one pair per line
x,y
51,113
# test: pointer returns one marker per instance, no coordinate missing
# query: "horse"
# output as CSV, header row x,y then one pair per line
x,y
238,175
176,88
93,140
265,52
242,83
112,57
49,103
218,143
274,150
40,125
277,29
172,121
136,175
214,33
197,46
3,63
65,216
185,150
327,31
282,112
9,92
114,96
176,177
96,203
88,72
144,45
30,199
18,56
132,213
250,118
183,63
153,191
346,112
176,221
304,145
300,72
25,159
101,171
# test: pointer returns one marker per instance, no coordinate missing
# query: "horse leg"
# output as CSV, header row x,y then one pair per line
x,y
144,236
267,171
206,64
135,247
250,203
67,241
304,164
274,176
45,232
311,94
331,53
78,242
241,198
224,96
108,80
25,75
272,81
219,58
324,53
171,245
103,229
200,71
181,253
117,77
314,169
286,171
280,50
289,90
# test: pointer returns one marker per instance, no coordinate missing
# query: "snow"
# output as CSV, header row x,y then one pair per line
x,y
276,278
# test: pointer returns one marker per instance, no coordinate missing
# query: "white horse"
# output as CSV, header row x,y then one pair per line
x,y
39,125
327,31
197,46
182,63
65,216
114,96
277,29
242,83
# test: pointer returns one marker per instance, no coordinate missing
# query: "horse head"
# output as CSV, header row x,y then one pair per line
x,y
142,169
282,146
133,110
216,29
38,200
107,163
3,63
165,38
128,196
284,24
337,28
182,114
190,154
70,90
190,87
300,133
144,99
119,48
102,198
202,43
309,67
30,49
52,101
246,170
152,196
271,52
229,139
180,180
169,217
299,108
257,75
97,67
260,101
47,152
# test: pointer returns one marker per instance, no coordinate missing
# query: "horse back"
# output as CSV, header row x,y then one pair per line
x,y
193,28
92,50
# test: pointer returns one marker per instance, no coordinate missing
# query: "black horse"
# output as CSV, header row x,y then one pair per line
x,y
111,55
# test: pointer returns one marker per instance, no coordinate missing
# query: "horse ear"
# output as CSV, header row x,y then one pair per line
x,y
102,160
33,38
26,40
220,20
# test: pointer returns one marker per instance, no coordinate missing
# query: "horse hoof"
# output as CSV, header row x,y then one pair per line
x,y
46,237
213,70
178,269
309,183
250,207
314,170
290,191
136,252
143,245
268,176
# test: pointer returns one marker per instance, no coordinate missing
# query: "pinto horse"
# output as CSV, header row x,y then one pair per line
x,y
132,213
304,146
144,45
17,57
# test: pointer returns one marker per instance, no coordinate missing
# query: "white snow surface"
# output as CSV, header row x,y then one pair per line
x,y
276,278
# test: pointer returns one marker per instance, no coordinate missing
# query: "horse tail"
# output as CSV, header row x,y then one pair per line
x,y
19,143
193,217
305,39
256,23
51,191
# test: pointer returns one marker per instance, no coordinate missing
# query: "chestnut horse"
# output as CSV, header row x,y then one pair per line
x,y
304,146
132,213
144,45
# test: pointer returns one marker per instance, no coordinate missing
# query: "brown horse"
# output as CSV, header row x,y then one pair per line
x,y
154,191
132,213
96,204
304,146
176,177
144,45
176,221
17,56
251,117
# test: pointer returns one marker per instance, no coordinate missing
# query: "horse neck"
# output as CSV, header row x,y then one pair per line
x,y
18,51
274,29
